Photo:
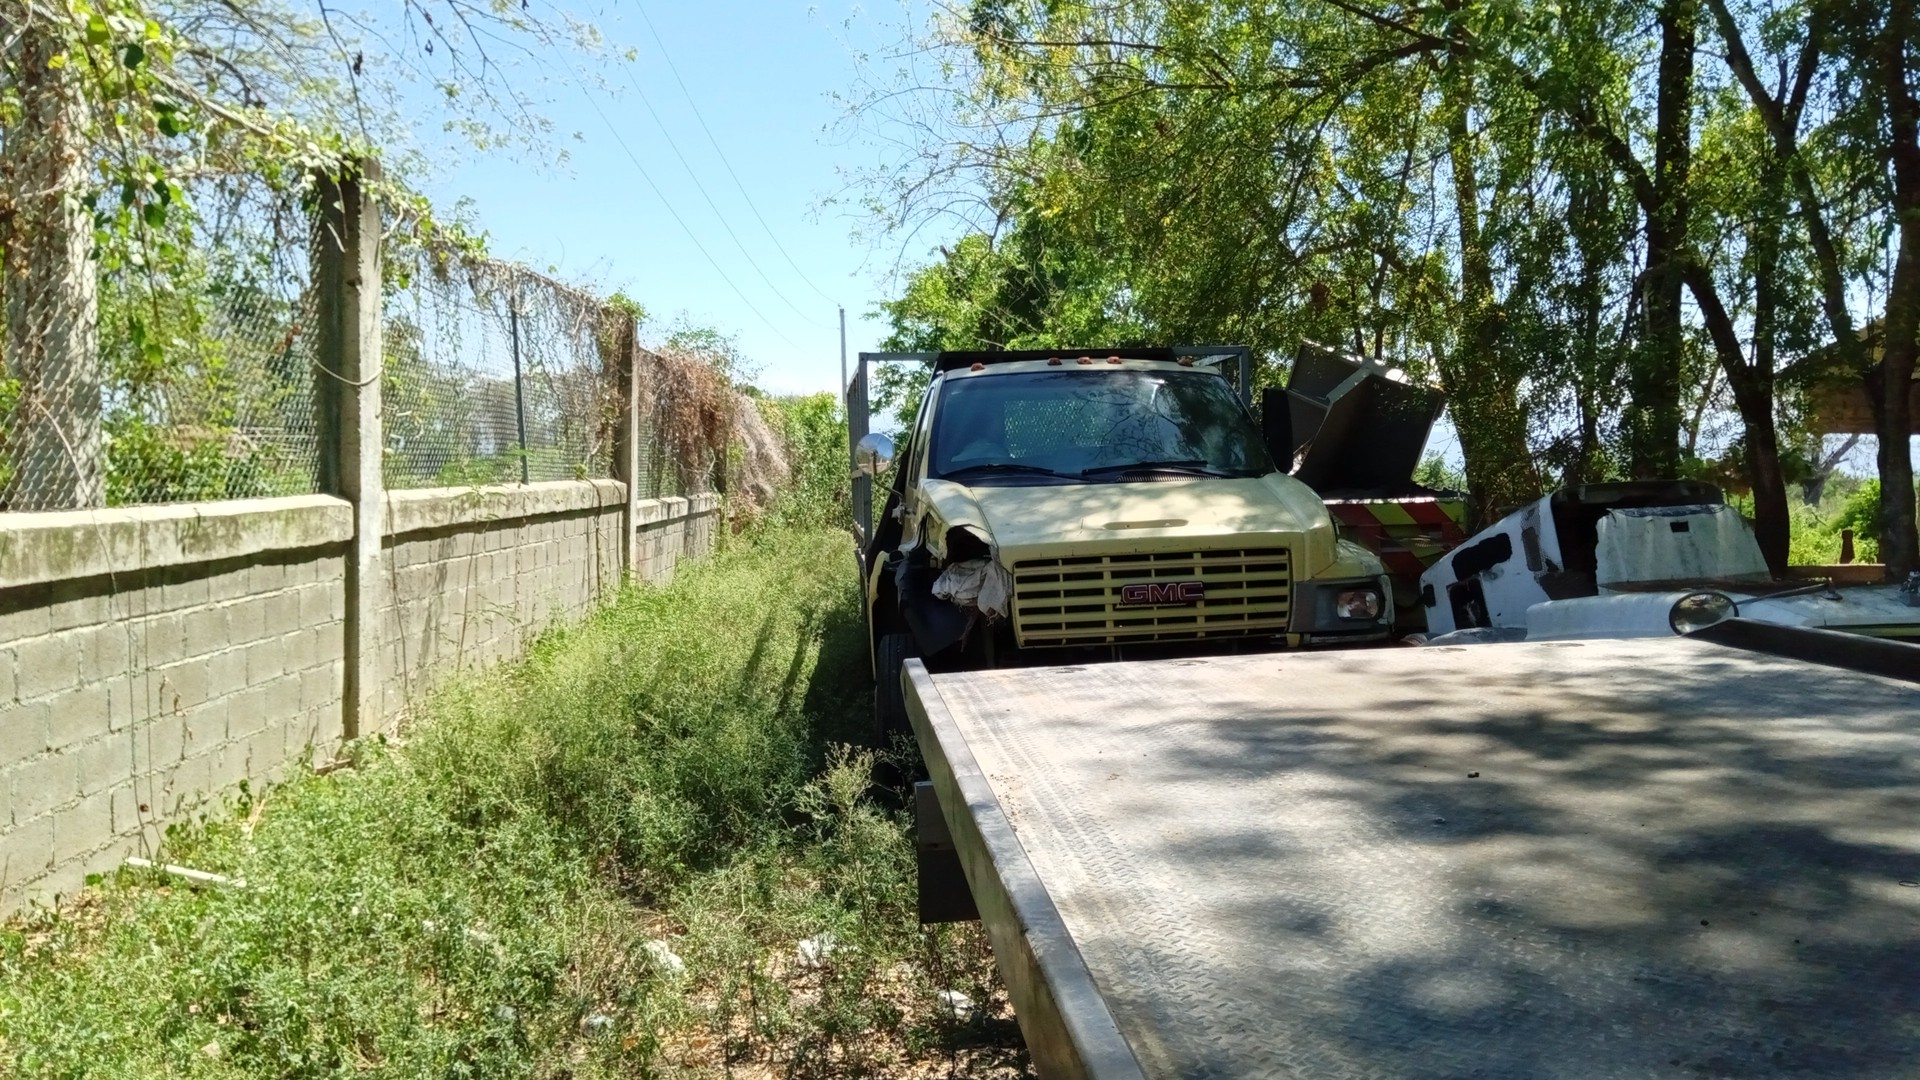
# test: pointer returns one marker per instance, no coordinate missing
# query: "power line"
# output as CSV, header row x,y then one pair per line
x,y
702,189
684,227
667,54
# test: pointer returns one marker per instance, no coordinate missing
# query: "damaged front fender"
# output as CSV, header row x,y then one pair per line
x,y
947,509
935,624
958,576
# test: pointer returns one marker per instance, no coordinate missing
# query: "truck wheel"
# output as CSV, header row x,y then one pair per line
x,y
889,702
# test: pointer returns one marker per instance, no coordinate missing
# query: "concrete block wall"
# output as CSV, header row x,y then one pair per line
x,y
152,658
474,574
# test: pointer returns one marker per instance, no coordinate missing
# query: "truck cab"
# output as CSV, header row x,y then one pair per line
x,y
1061,507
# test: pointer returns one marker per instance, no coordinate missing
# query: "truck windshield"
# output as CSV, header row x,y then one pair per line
x,y
1093,425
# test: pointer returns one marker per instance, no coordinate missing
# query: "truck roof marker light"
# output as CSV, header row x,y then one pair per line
x,y
1086,359
977,366
1113,359
1186,361
1053,361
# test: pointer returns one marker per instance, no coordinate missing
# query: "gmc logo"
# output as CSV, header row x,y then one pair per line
x,y
1160,594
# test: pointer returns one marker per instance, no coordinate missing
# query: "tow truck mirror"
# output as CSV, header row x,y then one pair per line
x,y
873,454
1276,426
1697,611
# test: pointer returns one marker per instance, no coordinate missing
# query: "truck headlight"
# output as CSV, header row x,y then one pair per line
x,y
1361,603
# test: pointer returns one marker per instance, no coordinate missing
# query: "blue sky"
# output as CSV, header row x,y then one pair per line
x,y
763,75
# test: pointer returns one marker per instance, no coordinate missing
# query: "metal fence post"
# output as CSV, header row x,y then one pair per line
x,y
519,383
346,266
626,453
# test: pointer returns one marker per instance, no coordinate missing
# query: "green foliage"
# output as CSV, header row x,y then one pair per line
x,y
1861,513
815,433
1814,534
482,902
1465,190
1434,472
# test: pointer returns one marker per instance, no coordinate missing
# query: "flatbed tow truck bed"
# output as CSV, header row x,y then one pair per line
x,y
1660,858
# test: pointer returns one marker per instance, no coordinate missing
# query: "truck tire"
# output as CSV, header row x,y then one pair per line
x,y
889,702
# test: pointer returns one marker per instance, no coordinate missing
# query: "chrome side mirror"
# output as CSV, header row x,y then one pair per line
x,y
1697,611
873,454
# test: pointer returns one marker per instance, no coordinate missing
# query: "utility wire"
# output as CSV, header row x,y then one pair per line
x,y
668,55
702,189
684,227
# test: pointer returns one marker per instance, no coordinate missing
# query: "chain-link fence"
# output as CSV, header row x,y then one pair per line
x,y
494,374
120,389
120,385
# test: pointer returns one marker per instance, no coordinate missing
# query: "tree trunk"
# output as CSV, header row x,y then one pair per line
x,y
1482,394
1897,535
1772,518
1653,423
51,452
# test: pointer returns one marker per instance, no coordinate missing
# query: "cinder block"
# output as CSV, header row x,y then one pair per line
x,y
26,850
265,578
184,587
283,611
46,665
314,602
226,672
129,701
186,681
330,642
283,699
102,763
266,660
320,688
39,784
83,827
73,604
247,710
205,630
157,639
247,620
187,785
78,715
266,750
160,744
30,619
205,726
230,585
247,713
230,765
126,802
106,650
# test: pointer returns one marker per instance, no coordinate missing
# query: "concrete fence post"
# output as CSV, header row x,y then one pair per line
x,y
626,456
346,267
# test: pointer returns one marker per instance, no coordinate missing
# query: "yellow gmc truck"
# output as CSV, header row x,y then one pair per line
x,y
1058,507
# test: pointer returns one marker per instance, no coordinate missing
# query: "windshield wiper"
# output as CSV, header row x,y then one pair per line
x,y
1005,467
1198,467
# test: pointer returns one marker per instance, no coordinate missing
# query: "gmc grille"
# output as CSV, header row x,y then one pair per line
x,y
1076,601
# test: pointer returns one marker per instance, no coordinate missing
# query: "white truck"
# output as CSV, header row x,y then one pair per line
x,y
1613,560
1069,505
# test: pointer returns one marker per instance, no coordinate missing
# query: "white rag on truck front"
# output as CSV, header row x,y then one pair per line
x,y
981,583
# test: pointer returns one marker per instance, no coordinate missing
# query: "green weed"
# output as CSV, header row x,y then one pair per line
x,y
643,851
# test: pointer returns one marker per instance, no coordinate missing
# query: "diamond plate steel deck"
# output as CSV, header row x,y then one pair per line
x,y
1574,860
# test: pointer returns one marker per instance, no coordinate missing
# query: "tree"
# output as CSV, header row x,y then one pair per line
x,y
137,140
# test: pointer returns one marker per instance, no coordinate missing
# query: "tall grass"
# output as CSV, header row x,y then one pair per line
x,y
643,851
